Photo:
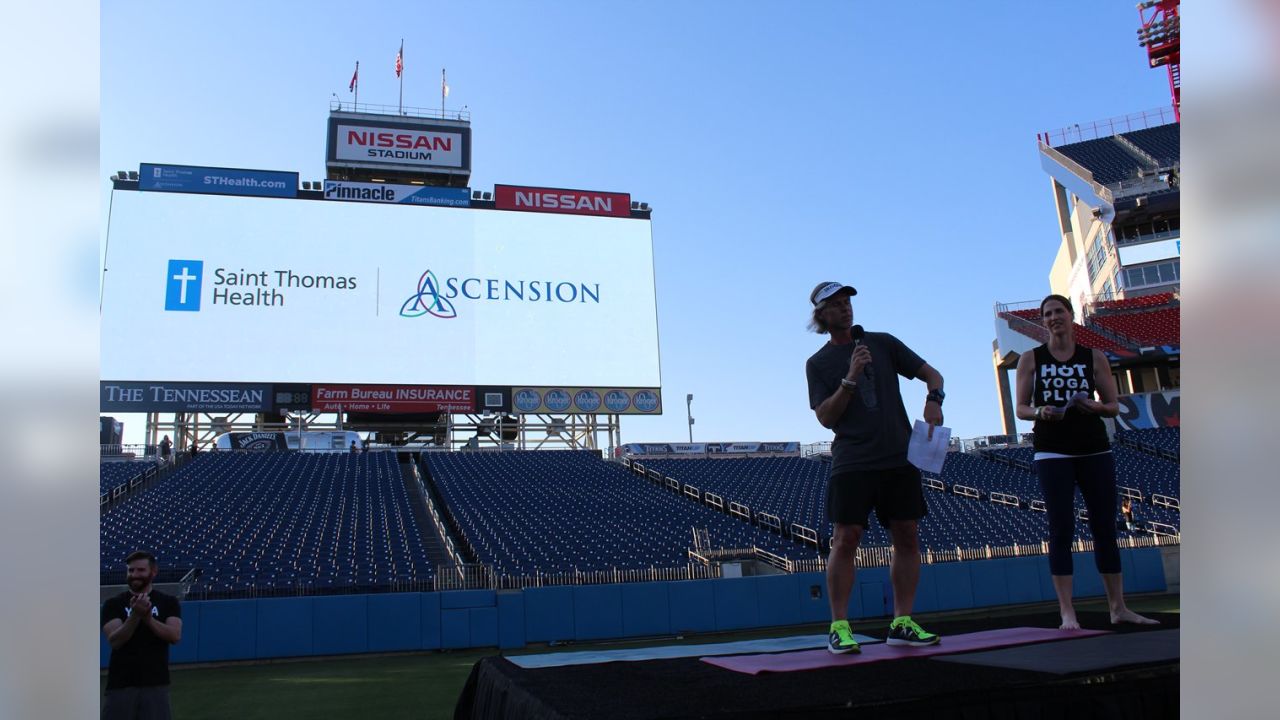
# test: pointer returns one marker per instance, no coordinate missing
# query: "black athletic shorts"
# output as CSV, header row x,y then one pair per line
x,y
894,493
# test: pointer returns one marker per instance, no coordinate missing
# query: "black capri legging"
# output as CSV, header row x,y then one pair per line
x,y
1096,476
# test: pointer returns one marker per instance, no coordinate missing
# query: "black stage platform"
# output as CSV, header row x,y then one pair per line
x,y
1068,679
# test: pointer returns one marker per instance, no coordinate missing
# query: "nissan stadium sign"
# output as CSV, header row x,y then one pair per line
x,y
403,145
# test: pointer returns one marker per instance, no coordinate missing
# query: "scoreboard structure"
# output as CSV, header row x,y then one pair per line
x,y
240,299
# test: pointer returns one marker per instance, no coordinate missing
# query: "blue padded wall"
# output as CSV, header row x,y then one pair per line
x,y
285,627
735,603
341,624
693,605
222,630
989,584
597,612
395,622
455,628
646,609
228,630
1087,581
483,623
808,607
431,634
1022,577
548,614
453,599
510,619
874,592
777,599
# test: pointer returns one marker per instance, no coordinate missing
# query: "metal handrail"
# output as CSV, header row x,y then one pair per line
x,y
1096,129
402,110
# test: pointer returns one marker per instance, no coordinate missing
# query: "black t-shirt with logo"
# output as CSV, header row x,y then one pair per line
x,y
144,660
1077,433
873,433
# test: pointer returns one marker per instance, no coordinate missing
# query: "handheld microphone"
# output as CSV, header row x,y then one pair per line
x,y
857,333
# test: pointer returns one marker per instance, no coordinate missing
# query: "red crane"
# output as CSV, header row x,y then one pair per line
x,y
1159,35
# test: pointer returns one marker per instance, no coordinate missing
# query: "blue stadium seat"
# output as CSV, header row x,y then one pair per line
x,y
267,521
564,511
1162,142
1105,158
116,473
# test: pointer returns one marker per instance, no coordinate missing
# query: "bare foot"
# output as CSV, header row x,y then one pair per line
x,y
1128,616
1069,622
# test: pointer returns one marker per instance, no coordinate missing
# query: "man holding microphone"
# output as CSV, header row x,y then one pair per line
x,y
853,390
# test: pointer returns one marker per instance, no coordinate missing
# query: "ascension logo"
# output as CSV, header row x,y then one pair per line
x,y
428,300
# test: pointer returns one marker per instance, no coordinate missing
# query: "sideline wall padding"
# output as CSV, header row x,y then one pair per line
x,y
454,599
1022,578
431,636
736,604
875,591
926,591
954,586
394,622
548,614
341,624
455,628
228,630
990,586
285,627
510,619
1087,581
693,605
483,623
221,630
597,612
777,600
646,609
812,604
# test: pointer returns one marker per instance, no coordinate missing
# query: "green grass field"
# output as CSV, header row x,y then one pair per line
x,y
424,685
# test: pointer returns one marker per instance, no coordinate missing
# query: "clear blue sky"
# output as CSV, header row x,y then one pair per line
x,y
780,144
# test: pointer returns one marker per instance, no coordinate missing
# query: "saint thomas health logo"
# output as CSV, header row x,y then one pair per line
x,y
428,300
182,285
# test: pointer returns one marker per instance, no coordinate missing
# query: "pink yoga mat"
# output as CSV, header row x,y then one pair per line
x,y
813,659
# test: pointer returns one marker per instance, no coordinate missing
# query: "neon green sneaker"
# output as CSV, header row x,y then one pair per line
x,y
905,631
841,641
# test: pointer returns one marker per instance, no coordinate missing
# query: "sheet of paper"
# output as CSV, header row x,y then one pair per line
x,y
926,453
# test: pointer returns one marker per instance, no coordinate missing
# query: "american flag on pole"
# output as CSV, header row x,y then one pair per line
x,y
400,59
355,78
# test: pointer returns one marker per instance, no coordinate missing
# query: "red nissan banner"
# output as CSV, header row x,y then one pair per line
x,y
556,200
392,398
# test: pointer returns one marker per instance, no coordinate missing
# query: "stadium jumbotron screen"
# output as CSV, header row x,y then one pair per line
x,y
216,288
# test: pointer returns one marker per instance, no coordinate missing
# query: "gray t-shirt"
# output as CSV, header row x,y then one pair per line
x,y
873,432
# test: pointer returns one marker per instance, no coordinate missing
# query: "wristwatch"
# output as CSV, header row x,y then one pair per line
x,y
936,395
848,384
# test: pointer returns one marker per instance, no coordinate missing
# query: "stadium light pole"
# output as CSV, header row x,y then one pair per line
x,y
689,413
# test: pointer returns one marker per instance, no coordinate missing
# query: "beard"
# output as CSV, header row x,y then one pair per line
x,y
136,584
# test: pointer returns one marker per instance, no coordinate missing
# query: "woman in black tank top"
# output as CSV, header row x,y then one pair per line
x,y
1057,383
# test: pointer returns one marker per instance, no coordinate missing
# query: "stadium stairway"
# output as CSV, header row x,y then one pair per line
x,y
432,543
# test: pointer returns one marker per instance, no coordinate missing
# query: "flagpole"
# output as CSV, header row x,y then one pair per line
x,y
442,92
356,106
401,58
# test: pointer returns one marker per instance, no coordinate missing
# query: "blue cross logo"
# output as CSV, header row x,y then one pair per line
x,y
182,285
